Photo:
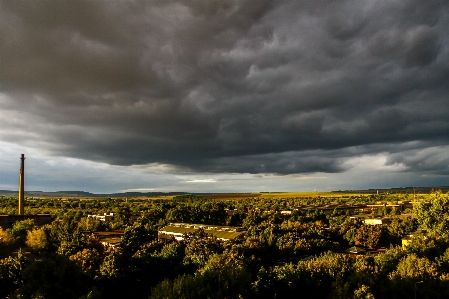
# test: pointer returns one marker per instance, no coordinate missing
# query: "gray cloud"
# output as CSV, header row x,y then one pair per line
x,y
228,86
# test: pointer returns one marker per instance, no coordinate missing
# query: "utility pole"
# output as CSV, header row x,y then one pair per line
x,y
416,284
22,186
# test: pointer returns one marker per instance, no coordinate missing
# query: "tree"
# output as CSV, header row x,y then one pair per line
x,y
172,253
415,267
134,237
251,220
20,228
37,239
11,270
286,244
52,276
225,281
115,279
399,228
123,214
5,237
66,236
114,264
364,292
91,224
411,270
434,216
88,260
369,236
266,284
200,245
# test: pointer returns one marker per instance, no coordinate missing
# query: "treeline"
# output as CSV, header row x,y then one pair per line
x,y
282,256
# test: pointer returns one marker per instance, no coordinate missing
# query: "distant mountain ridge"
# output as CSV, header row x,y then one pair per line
x,y
87,194
400,189
133,194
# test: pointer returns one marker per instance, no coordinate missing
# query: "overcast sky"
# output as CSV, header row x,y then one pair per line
x,y
224,95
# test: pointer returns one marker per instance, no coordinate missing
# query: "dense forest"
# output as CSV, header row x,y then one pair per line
x,y
283,255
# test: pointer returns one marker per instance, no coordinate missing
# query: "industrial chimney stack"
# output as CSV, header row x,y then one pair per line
x,y
21,186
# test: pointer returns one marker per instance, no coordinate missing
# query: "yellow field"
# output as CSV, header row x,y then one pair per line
x,y
307,194
236,196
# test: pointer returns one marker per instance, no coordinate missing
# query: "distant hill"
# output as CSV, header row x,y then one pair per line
x,y
399,190
87,194
74,194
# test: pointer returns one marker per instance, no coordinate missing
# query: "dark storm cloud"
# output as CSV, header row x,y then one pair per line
x,y
228,86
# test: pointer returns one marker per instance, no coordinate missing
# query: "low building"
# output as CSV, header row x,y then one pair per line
x,y
104,217
110,242
408,239
355,250
231,212
7,221
359,216
329,209
109,238
286,212
177,230
134,216
377,221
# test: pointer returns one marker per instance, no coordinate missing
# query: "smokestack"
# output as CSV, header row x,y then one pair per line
x,y
21,186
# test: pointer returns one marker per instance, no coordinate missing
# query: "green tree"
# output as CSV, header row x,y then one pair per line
x,y
225,281
66,236
199,246
364,292
11,271
411,270
91,224
52,276
135,236
370,236
88,260
415,267
114,265
434,216
20,229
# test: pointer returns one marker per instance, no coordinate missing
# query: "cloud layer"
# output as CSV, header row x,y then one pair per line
x,y
227,86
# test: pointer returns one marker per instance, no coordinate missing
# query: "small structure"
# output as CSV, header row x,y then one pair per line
x,y
355,250
408,239
377,221
231,212
134,216
104,217
109,238
286,212
177,230
359,216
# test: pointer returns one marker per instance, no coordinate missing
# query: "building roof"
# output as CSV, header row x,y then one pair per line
x,y
355,249
221,232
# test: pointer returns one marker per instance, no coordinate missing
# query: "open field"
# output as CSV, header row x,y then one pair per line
x,y
279,195
341,195
308,194
170,195
311,194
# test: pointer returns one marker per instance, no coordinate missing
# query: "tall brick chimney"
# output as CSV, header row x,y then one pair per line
x,y
21,186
